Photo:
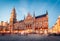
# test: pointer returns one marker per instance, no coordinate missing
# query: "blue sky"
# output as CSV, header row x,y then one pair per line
x,y
24,6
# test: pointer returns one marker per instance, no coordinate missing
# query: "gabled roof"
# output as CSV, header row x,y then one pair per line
x,y
41,16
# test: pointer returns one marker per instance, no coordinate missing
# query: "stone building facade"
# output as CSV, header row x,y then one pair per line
x,y
30,22
36,23
56,27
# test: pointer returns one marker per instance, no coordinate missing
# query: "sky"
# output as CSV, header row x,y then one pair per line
x,y
24,6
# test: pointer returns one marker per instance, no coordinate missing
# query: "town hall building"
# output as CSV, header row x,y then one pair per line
x,y
38,24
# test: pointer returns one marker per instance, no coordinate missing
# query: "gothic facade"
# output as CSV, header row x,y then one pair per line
x,y
29,22
36,23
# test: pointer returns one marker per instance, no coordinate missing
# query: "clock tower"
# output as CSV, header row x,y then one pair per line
x,y
13,17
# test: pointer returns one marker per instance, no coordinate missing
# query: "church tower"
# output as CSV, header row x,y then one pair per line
x,y
13,17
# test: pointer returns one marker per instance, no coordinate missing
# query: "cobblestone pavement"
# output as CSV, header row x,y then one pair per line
x,y
29,38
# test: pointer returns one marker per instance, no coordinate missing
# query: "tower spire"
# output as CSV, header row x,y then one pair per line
x,y
46,12
24,17
34,14
13,16
29,15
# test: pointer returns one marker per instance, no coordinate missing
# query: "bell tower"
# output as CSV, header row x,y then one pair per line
x,y
13,17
